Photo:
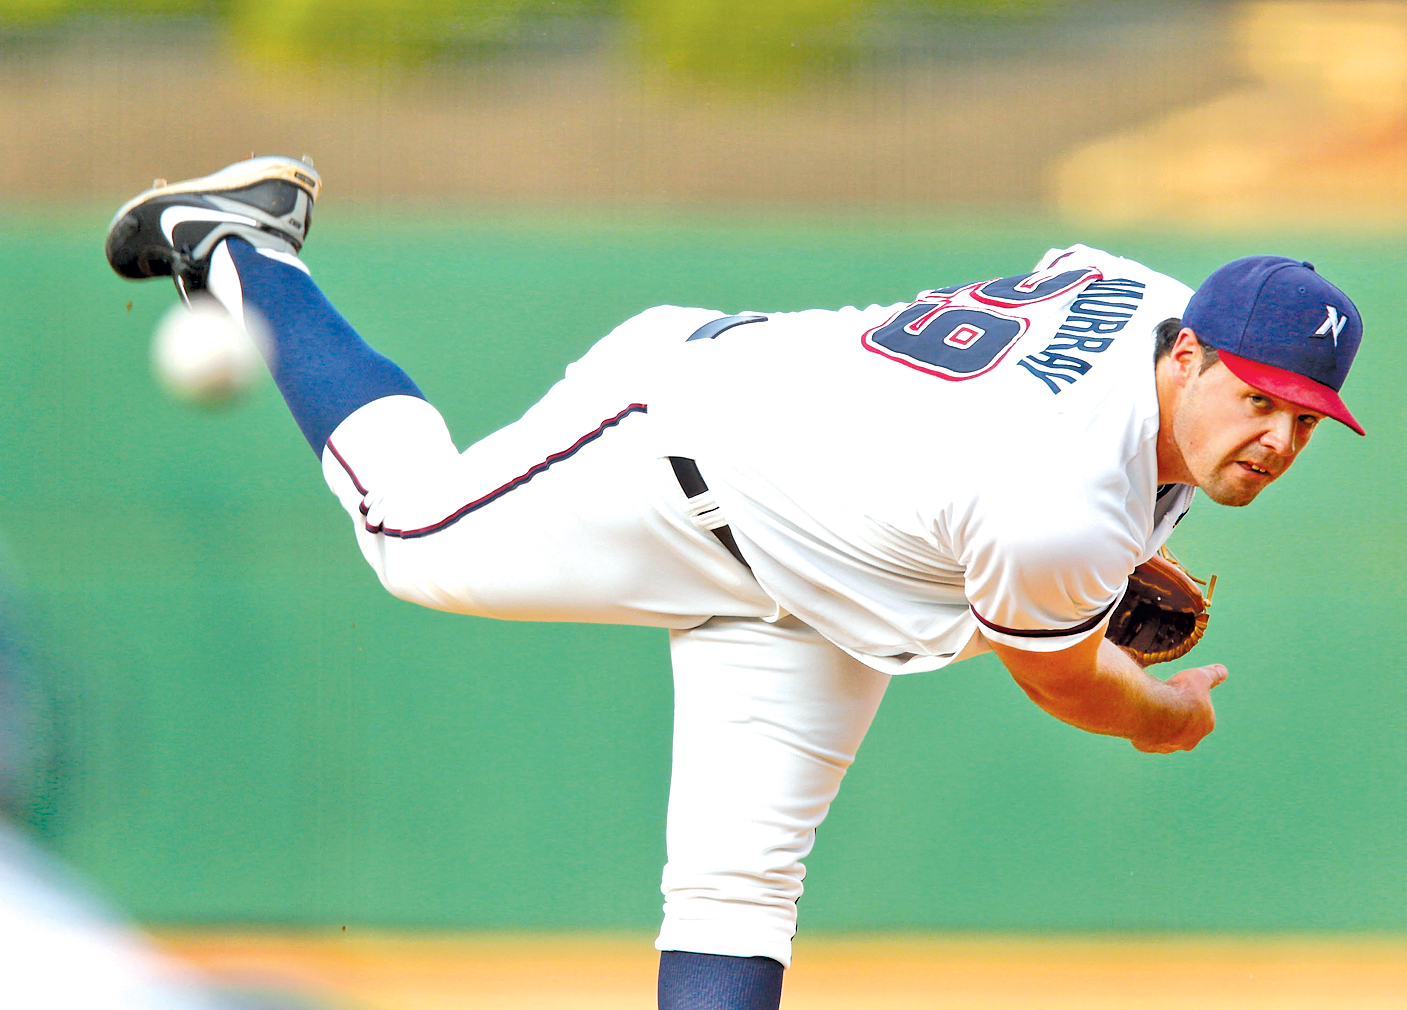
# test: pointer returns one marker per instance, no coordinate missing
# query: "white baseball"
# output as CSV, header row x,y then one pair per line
x,y
201,355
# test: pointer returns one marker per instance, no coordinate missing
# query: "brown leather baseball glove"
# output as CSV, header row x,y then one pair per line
x,y
1163,613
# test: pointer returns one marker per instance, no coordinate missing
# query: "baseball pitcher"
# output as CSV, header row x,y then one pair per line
x,y
811,502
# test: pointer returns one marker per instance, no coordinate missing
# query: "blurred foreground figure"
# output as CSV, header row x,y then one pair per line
x,y
62,948
811,502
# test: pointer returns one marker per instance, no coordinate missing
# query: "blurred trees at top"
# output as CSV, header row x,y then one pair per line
x,y
744,39
726,41
383,31
32,12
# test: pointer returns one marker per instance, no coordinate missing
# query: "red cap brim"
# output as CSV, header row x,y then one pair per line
x,y
1287,385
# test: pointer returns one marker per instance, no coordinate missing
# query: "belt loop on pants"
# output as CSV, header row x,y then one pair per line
x,y
691,482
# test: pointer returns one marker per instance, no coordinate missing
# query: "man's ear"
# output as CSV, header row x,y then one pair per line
x,y
1185,357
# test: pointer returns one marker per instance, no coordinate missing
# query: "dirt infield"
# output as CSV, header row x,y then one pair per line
x,y
465,972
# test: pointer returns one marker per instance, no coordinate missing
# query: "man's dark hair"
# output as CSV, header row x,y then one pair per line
x,y
1167,332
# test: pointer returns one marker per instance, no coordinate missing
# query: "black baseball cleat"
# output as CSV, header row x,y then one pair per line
x,y
171,230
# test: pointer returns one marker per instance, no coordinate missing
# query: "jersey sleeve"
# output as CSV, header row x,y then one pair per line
x,y
1042,577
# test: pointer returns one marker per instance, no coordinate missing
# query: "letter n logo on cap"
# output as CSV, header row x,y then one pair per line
x,y
1333,324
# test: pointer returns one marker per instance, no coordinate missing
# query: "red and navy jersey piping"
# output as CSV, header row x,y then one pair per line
x,y
496,493
1080,628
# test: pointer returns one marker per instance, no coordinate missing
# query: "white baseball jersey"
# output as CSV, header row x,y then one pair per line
x,y
897,477
983,457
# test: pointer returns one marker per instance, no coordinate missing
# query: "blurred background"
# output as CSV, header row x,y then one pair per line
x,y
211,712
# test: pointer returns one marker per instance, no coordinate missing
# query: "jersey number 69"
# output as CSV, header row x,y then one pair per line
x,y
960,332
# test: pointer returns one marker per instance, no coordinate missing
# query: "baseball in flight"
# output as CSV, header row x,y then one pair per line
x,y
199,354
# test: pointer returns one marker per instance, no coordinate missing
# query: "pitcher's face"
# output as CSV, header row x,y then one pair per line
x,y
1234,438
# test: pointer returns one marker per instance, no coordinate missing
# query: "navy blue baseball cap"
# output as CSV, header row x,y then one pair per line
x,y
1280,327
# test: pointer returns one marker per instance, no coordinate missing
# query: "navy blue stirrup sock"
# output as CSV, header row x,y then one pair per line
x,y
718,982
322,368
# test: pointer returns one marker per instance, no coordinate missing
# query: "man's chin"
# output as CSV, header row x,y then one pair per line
x,y
1233,493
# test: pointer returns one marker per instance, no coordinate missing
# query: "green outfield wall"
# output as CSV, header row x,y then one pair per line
x,y
253,732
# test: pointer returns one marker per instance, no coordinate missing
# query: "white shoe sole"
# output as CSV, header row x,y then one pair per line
x,y
236,176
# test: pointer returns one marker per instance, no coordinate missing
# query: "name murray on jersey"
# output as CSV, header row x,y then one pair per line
x,y
1101,310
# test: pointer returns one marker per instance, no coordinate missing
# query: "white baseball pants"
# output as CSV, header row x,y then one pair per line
x,y
573,513
767,718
